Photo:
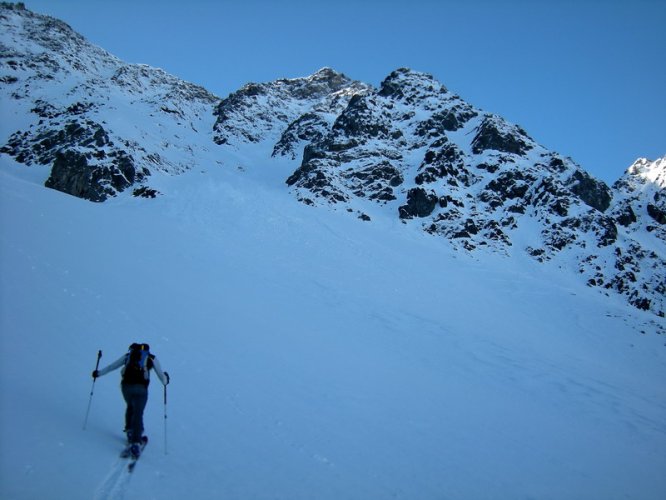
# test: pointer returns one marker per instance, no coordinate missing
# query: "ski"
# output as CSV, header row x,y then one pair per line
x,y
127,453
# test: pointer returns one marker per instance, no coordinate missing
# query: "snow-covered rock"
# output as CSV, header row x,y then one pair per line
x,y
286,112
102,125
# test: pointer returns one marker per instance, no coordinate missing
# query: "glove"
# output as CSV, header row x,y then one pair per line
x,y
95,374
166,374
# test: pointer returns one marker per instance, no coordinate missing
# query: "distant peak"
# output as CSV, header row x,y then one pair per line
x,y
13,6
409,74
652,171
326,72
330,77
404,81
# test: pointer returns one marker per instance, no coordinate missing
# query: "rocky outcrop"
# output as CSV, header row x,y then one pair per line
x,y
84,161
593,192
639,198
495,134
286,112
72,174
420,203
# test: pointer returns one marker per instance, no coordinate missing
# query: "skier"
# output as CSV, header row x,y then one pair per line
x,y
135,377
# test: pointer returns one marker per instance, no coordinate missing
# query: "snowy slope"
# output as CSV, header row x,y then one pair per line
x,y
311,355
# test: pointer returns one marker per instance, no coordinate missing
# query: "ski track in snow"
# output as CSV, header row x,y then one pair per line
x,y
115,484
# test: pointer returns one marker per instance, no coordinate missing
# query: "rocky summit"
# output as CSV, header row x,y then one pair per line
x,y
410,149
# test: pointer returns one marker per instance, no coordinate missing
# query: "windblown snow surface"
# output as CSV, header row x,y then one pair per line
x,y
312,355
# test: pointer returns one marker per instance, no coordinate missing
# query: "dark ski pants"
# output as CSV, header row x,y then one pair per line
x,y
136,397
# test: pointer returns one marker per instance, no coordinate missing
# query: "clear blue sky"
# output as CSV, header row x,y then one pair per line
x,y
586,78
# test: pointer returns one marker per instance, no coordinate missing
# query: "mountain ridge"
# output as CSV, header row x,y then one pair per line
x,y
410,148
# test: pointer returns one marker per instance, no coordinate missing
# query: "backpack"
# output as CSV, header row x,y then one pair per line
x,y
138,361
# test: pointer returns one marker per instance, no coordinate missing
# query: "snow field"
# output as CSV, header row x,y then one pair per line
x,y
312,355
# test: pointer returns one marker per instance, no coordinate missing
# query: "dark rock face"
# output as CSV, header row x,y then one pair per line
x,y
626,216
656,213
357,120
73,175
449,120
549,195
493,134
377,180
593,192
444,161
511,184
145,192
420,203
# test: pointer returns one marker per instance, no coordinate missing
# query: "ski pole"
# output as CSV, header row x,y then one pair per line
x,y
85,422
166,374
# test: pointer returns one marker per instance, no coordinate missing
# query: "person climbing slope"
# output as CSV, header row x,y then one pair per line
x,y
135,377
